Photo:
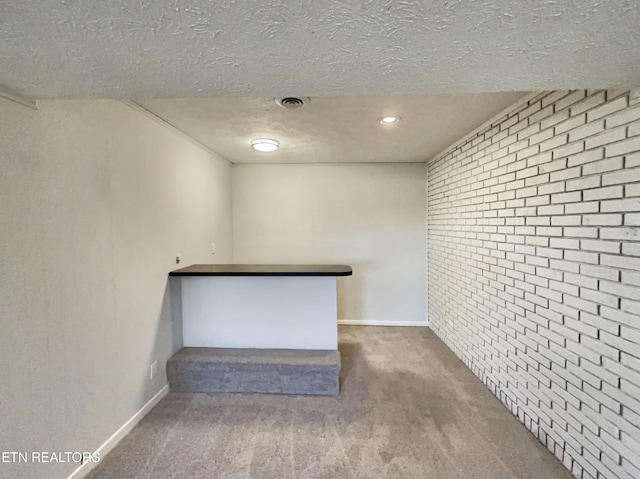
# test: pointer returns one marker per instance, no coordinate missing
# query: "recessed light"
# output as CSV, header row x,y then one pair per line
x,y
265,144
388,120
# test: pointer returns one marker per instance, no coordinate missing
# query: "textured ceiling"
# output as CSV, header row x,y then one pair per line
x,y
199,48
332,129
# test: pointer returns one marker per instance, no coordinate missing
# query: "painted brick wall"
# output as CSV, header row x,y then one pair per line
x,y
534,270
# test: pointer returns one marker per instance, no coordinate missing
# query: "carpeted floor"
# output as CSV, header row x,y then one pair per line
x,y
408,408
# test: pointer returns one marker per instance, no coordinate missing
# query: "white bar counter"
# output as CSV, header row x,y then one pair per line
x,y
260,306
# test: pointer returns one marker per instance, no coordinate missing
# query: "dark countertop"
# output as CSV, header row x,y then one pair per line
x,y
263,270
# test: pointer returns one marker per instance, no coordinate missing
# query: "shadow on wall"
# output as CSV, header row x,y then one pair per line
x,y
350,292
168,336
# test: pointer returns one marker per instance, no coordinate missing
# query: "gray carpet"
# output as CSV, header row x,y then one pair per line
x,y
238,370
408,408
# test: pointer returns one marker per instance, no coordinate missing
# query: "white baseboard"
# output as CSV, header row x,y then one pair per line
x,y
356,322
126,428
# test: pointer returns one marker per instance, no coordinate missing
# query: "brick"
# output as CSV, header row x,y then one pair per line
x,y
623,147
623,262
528,153
571,197
623,205
630,361
551,188
571,99
631,277
566,220
631,249
581,232
632,219
551,210
589,103
525,192
566,173
599,322
539,220
581,257
621,233
508,123
527,172
549,253
563,287
613,93
583,183
583,207
546,273
555,165
605,193
602,349
623,117
527,132
613,247
588,156
629,190
554,142
518,145
554,119
606,138
548,231
538,200
632,160
537,180
530,110
562,265
588,130
599,297
537,240
515,185
585,376
581,280
535,260
541,115
599,272
553,97
568,150
602,166
607,109
622,290
621,176
602,220
540,137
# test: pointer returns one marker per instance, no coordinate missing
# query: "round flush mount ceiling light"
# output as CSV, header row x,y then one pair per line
x,y
388,120
265,144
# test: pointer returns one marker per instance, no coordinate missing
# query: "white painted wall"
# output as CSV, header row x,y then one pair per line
x,y
369,216
96,201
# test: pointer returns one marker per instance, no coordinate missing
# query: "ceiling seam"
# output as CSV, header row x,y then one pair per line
x,y
11,95
161,121
334,163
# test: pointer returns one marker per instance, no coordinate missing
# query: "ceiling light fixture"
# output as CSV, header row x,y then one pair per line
x,y
388,120
265,144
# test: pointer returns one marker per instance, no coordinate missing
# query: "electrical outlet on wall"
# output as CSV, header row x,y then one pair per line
x,y
213,248
153,370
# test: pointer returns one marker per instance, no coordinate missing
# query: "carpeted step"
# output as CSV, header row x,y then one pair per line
x,y
277,371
